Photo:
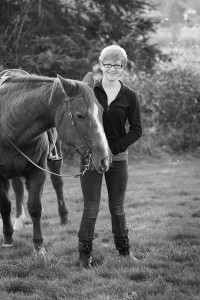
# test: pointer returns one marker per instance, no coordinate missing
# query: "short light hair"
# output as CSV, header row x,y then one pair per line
x,y
113,52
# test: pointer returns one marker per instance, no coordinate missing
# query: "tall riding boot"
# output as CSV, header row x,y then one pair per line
x,y
120,231
122,245
85,250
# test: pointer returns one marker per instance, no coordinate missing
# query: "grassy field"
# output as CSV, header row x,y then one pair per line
x,y
163,213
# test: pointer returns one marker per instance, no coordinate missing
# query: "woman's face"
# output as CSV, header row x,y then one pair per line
x,y
112,70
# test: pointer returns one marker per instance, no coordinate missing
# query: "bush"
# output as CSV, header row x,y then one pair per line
x,y
169,106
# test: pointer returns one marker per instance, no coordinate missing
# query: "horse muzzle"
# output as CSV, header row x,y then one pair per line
x,y
103,165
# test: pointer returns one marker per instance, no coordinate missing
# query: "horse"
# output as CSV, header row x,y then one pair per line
x,y
29,106
55,166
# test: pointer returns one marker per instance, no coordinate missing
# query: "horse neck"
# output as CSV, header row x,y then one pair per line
x,y
30,114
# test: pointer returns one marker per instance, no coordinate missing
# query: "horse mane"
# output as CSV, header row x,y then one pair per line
x,y
30,78
23,83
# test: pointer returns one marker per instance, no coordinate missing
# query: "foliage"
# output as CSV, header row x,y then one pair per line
x,y
49,37
179,11
169,105
37,40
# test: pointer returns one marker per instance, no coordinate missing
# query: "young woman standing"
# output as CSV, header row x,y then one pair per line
x,y
121,105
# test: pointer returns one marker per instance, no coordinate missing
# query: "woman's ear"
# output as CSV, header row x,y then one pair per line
x,y
101,65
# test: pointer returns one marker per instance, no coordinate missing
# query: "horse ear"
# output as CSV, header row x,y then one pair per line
x,y
69,86
89,79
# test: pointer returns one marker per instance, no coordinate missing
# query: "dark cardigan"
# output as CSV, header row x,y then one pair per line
x,y
124,108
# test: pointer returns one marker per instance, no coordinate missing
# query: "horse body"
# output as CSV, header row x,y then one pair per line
x,y
29,106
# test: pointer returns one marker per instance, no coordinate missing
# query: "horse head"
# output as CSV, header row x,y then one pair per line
x,y
79,120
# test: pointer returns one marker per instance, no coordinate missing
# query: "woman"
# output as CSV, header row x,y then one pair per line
x,y
120,104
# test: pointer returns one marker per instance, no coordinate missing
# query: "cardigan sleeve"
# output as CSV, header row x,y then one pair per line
x,y
135,126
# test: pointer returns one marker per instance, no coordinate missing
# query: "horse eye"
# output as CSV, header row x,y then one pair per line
x,y
80,116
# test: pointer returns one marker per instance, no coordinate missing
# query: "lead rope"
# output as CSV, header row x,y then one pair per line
x,y
60,175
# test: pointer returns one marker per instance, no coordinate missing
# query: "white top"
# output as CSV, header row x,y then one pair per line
x,y
120,156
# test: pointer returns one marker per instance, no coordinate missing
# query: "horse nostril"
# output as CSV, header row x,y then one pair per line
x,y
105,163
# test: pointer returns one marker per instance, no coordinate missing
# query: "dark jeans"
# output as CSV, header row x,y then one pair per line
x,y
116,181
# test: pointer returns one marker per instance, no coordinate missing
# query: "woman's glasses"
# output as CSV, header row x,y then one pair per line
x,y
109,66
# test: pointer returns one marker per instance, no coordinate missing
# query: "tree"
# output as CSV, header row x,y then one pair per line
x,y
104,22
65,37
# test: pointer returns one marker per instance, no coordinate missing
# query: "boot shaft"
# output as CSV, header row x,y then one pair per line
x,y
122,245
85,247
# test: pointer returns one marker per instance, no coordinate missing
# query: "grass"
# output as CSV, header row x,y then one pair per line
x,y
163,214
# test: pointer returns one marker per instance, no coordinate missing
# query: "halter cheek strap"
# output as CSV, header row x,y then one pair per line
x,y
68,101
69,109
